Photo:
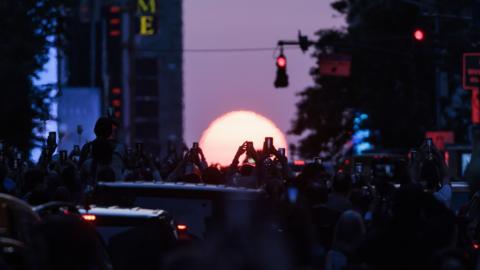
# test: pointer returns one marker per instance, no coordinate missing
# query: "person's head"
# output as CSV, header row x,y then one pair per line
x,y
348,231
102,151
271,170
342,183
212,175
313,172
246,170
103,128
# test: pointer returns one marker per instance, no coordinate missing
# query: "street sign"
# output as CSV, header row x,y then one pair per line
x,y
335,65
440,138
471,70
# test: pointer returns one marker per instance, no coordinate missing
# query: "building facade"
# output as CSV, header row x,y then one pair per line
x,y
132,50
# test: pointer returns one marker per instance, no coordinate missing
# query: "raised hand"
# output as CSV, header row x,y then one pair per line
x,y
241,150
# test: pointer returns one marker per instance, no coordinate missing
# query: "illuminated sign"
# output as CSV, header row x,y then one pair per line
x,y
471,70
441,138
471,81
335,65
146,17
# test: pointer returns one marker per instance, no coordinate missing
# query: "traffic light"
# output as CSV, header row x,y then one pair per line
x,y
419,35
282,77
114,21
114,58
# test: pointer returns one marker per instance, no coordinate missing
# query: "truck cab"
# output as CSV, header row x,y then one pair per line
x,y
196,207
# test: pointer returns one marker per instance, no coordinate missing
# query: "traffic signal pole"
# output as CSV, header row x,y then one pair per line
x,y
302,41
281,79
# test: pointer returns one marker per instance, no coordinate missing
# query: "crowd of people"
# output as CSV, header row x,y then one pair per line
x,y
68,176
351,218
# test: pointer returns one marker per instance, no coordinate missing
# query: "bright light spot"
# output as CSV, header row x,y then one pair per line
x,y
362,147
418,34
89,217
281,61
182,227
224,135
360,135
299,162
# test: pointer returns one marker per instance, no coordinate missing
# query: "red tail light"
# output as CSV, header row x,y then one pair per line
x,y
89,217
299,162
182,227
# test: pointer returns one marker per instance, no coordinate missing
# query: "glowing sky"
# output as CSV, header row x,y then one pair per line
x,y
217,83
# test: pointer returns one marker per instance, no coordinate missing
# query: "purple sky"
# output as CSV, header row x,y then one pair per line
x,y
217,83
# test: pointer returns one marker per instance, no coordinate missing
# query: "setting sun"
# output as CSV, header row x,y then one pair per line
x,y
225,134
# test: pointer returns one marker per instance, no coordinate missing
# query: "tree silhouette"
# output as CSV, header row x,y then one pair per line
x,y
28,29
392,76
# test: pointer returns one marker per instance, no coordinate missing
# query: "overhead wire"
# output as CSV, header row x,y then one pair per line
x,y
218,50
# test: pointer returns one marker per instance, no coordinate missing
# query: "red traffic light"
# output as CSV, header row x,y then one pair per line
x,y
116,91
418,35
114,9
281,61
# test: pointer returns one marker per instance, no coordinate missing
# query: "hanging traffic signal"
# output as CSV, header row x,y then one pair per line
x,y
282,77
418,35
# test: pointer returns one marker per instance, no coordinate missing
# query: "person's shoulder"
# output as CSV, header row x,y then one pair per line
x,y
86,164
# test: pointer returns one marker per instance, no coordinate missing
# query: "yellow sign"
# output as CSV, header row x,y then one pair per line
x,y
146,25
147,6
146,10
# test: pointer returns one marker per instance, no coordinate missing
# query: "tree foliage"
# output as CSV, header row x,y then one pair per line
x,y
392,76
28,29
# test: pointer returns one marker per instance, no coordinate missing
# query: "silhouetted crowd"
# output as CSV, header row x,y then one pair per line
x,y
356,216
